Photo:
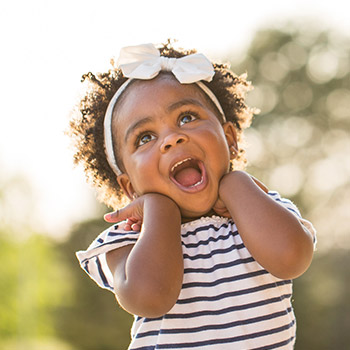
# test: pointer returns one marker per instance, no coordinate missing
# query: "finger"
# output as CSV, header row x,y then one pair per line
x,y
134,223
131,220
136,227
111,217
131,211
260,184
127,227
221,211
118,215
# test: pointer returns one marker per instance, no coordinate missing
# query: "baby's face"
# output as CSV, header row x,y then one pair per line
x,y
172,143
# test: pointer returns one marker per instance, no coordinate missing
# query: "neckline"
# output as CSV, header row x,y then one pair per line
x,y
205,220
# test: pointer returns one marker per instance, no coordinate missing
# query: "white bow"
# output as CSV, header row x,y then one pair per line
x,y
144,62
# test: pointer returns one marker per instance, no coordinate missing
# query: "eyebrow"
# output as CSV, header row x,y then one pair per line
x,y
184,102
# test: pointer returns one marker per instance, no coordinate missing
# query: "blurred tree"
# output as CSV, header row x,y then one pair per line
x,y
31,288
30,274
92,319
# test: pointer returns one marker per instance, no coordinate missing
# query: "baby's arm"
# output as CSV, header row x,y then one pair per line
x,y
148,275
273,235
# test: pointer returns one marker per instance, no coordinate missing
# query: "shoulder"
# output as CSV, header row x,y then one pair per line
x,y
93,260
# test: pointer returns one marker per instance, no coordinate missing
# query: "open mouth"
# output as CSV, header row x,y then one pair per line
x,y
189,174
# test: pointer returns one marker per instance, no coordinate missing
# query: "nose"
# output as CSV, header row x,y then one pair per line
x,y
172,140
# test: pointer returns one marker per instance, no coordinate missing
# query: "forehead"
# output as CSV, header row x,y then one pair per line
x,y
144,99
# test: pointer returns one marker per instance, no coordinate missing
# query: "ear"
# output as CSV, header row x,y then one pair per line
x,y
125,184
231,137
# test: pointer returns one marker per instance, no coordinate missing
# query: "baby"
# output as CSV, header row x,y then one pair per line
x,y
203,255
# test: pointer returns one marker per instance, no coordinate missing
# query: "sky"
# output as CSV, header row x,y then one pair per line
x,y
46,47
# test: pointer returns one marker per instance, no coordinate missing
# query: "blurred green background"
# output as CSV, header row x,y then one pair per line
x,y
298,145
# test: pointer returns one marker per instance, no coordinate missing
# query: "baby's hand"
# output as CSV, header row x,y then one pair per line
x,y
132,213
219,206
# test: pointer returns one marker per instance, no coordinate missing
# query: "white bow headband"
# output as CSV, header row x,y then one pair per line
x,y
144,62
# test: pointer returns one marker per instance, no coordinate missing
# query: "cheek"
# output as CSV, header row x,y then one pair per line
x,y
218,150
142,170
215,141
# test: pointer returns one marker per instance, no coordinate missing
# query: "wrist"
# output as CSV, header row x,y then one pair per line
x,y
160,199
161,205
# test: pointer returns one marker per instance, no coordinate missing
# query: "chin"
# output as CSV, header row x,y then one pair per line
x,y
196,213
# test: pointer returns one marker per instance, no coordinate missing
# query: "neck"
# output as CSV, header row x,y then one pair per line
x,y
187,219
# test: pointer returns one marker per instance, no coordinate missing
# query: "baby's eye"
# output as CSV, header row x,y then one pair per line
x,y
187,118
143,139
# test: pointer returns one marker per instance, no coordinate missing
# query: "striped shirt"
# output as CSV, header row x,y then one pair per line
x,y
227,301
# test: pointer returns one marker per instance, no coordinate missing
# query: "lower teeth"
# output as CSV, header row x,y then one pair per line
x,y
198,183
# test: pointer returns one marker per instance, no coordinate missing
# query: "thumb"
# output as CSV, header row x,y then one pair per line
x,y
131,211
113,216
118,215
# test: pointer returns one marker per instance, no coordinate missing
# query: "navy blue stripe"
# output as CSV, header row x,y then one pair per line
x,y
151,333
294,211
211,239
205,228
273,194
122,240
86,267
219,266
214,252
278,198
215,326
284,201
101,273
225,279
227,340
232,294
221,311
113,234
227,309
291,206
276,345
131,240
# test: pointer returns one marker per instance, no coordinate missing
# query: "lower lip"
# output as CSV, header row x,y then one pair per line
x,y
196,187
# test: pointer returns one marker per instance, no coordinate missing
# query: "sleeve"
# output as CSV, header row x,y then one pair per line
x,y
93,260
286,203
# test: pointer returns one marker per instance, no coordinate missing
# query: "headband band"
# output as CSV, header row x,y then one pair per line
x,y
144,62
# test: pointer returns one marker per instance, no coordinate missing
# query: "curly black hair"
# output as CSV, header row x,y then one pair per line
x,y
87,131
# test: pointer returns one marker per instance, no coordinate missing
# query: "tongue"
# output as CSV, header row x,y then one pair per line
x,y
188,176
